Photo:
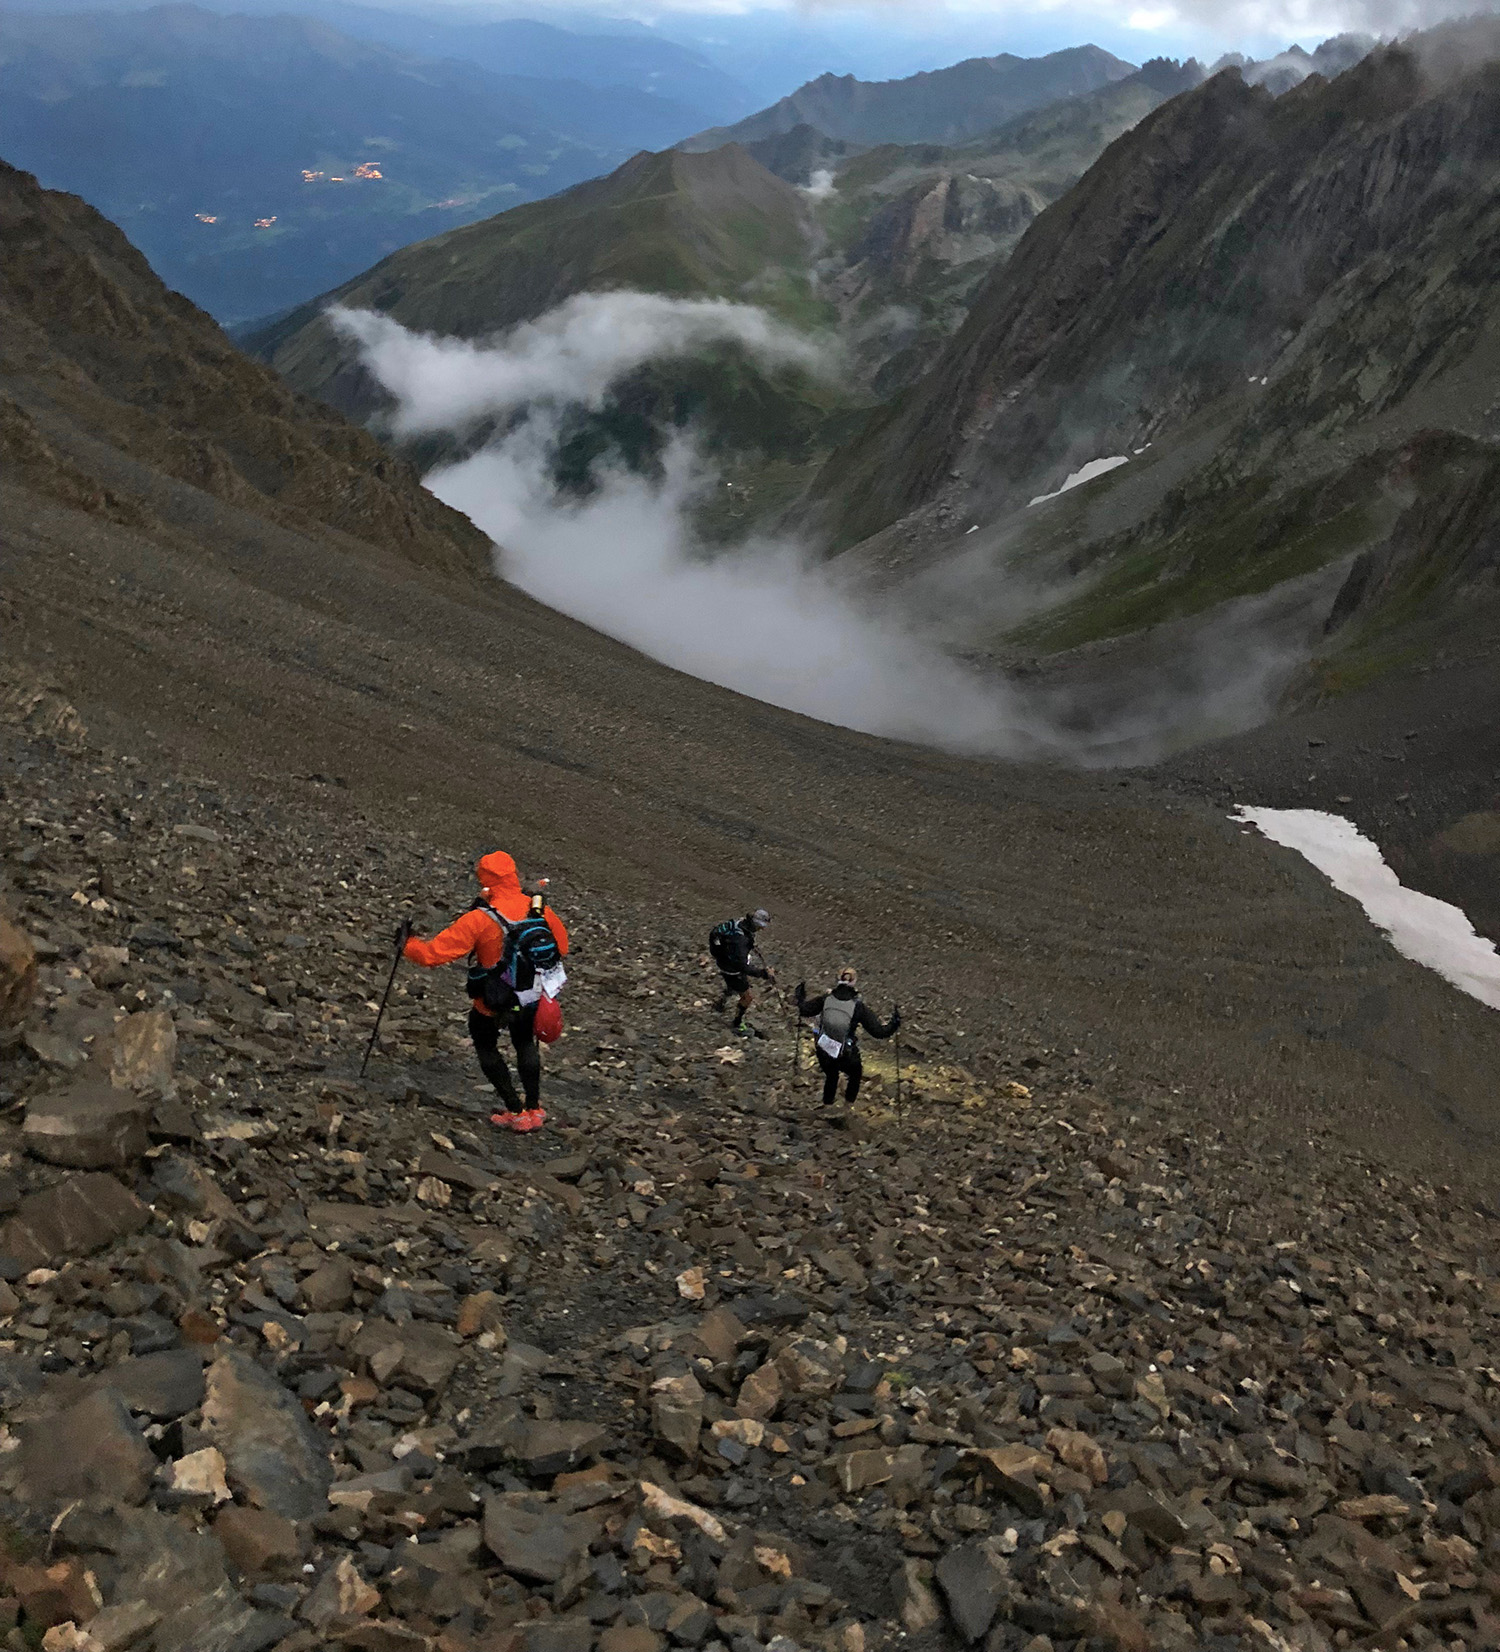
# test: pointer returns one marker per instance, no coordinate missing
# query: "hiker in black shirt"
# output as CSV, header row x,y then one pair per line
x,y
732,946
841,1013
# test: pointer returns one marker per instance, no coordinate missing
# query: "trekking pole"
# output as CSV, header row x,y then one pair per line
x,y
900,1115
401,936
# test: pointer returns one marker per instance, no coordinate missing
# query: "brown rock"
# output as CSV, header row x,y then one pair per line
x,y
89,1126
760,1393
105,1454
808,1366
340,1593
18,981
1015,1471
79,1215
1080,1452
481,1312
916,1603
631,1637
329,1288
64,1593
677,1414
141,1052
721,1333
257,1541
859,1470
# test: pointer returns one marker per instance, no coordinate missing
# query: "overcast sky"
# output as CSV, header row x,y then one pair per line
x,y
901,36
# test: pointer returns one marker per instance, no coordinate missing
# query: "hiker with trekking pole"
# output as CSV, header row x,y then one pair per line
x,y
732,947
515,944
839,1015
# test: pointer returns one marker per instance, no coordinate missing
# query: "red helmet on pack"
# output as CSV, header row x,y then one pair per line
x,y
547,1023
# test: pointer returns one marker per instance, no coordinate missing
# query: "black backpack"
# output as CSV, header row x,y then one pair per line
x,y
729,946
530,950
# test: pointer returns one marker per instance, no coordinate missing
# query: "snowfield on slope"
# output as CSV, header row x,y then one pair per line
x,y
1420,927
1095,467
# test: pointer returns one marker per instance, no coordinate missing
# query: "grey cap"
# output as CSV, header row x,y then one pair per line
x,y
759,918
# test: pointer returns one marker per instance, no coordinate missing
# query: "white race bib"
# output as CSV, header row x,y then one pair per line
x,y
830,1046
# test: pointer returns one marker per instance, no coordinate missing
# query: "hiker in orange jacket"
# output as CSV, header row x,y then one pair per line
x,y
479,936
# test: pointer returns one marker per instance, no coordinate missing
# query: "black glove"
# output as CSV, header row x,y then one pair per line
x,y
403,933
896,1019
801,991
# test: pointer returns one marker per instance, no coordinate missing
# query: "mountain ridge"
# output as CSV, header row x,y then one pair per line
x,y
920,108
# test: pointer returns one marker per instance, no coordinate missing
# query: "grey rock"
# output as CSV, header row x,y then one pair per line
x,y
533,1540
976,1582
546,1448
274,1457
163,1385
677,1415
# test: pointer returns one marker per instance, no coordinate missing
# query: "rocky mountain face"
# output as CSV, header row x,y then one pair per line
x,y
1274,309
294,1360
915,230
939,106
1144,1298
884,254
96,349
107,380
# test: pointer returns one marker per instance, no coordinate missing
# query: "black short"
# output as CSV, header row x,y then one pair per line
x,y
736,983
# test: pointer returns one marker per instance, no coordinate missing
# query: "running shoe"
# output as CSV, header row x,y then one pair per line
x,y
508,1121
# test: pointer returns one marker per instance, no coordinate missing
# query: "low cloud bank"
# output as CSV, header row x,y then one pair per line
x,y
759,619
767,618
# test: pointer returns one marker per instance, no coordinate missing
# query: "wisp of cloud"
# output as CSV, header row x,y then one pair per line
x,y
573,354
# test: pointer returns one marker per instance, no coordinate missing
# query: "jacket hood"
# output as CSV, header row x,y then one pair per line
x,y
498,872
844,989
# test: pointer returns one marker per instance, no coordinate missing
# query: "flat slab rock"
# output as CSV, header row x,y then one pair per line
x,y
80,1215
91,1125
535,1540
106,1455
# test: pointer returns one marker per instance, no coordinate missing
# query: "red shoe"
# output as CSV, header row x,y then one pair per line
x,y
532,1119
509,1121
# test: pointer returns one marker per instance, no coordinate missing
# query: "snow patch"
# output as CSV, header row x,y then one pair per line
x,y
1420,927
1095,467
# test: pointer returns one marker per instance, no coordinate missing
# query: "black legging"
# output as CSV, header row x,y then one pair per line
x,y
485,1031
832,1065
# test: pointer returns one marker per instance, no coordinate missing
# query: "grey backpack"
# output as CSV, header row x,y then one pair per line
x,y
836,1024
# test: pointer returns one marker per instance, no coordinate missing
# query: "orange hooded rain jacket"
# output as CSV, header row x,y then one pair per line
x,y
475,932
